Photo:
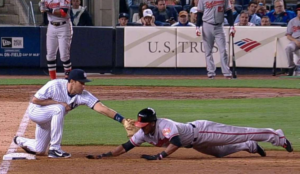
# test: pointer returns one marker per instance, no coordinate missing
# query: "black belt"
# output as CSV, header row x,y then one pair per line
x,y
213,24
195,138
58,23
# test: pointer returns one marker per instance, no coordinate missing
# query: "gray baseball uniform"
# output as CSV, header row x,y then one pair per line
x,y
293,29
209,137
50,119
213,18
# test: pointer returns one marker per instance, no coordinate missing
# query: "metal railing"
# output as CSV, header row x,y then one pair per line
x,y
27,13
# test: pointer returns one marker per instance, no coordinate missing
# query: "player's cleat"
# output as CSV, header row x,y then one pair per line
x,y
260,151
58,154
291,71
211,77
228,77
23,147
288,146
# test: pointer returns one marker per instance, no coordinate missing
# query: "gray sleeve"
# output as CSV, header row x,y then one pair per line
x,y
289,28
227,5
200,6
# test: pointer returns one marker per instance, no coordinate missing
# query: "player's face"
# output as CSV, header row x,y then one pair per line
x,y
279,7
244,19
265,22
161,5
149,129
183,19
252,8
76,87
123,21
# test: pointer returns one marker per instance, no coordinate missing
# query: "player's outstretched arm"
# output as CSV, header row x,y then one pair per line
x,y
127,123
175,144
116,152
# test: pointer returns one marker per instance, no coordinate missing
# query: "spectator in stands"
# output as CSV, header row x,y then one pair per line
x,y
164,14
123,6
183,20
265,21
148,18
244,19
235,13
193,15
123,19
261,8
194,3
79,15
279,14
185,2
172,2
137,16
293,35
137,2
253,17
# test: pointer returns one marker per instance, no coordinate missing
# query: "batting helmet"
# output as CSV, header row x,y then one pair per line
x,y
145,116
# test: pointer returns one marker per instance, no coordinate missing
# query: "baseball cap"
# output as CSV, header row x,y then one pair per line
x,y
183,13
78,75
147,12
145,116
193,10
121,15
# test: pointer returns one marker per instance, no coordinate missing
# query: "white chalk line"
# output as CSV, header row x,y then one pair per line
x,y
4,167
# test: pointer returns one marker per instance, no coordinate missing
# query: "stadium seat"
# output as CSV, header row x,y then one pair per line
x,y
245,7
291,7
177,7
133,9
187,8
238,8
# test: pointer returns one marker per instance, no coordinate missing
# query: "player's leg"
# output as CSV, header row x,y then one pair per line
x,y
65,39
216,134
221,43
208,42
52,47
289,50
221,151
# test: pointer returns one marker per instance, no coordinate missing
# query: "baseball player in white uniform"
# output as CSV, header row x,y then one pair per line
x,y
59,34
208,137
293,35
48,108
210,18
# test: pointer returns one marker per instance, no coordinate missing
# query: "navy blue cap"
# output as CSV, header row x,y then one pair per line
x,y
78,75
121,15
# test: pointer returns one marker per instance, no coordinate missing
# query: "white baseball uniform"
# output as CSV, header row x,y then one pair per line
x,y
59,36
50,119
209,137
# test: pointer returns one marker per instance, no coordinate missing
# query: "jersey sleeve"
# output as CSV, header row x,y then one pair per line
x,y
86,98
169,130
138,138
227,5
65,4
200,7
289,29
45,92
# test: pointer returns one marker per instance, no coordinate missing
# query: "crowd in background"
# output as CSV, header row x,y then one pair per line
x,y
184,13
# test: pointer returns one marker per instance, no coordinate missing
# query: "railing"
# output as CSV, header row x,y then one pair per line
x,y
1,3
28,12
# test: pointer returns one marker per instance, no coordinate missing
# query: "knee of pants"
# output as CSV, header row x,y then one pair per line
x,y
60,109
51,58
288,49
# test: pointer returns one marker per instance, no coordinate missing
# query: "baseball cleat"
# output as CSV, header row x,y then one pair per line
x,y
260,151
58,154
288,146
211,77
228,77
23,147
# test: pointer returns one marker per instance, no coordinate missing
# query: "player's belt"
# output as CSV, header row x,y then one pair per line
x,y
214,24
195,133
58,23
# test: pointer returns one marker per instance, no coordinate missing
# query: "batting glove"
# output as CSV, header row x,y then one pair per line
x,y
152,157
232,31
43,7
198,31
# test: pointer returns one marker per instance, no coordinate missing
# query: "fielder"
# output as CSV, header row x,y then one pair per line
x,y
59,34
52,103
208,137
293,35
210,18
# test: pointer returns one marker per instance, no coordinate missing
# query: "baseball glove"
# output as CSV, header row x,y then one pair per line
x,y
129,126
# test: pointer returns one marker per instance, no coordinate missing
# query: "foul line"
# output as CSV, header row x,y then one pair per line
x,y
13,147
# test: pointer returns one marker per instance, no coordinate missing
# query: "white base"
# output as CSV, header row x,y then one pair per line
x,y
18,156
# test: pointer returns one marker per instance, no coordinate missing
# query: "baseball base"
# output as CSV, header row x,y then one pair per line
x,y
18,156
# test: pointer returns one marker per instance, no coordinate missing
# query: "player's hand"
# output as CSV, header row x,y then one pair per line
x,y
93,156
198,31
43,7
151,157
232,31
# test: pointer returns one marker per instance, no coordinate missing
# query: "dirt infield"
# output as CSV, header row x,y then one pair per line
x,y
14,100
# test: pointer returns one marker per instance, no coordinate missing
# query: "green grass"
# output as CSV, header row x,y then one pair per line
x,y
242,83
84,126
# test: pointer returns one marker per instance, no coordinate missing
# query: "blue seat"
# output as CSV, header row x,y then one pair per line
x,y
187,8
291,7
282,24
238,8
245,7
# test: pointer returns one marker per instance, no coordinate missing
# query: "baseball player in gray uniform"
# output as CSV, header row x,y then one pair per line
x,y
293,34
210,18
204,136
59,34
48,108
